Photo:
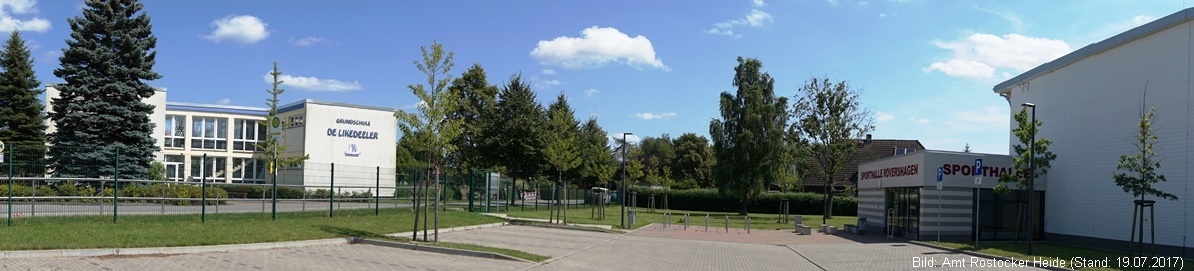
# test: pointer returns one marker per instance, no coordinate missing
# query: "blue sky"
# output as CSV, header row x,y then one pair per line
x,y
647,67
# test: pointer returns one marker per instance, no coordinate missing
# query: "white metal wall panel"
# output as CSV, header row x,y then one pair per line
x,y
1090,109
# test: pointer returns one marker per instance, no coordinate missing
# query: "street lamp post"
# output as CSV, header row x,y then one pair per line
x,y
1031,178
623,186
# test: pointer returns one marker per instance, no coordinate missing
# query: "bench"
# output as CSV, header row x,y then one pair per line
x,y
802,229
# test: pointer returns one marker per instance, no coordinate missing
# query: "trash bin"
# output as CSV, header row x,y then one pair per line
x,y
630,217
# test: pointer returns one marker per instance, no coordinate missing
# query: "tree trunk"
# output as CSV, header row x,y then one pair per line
x,y
415,207
745,202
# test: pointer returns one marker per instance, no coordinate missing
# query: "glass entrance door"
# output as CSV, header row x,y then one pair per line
x,y
903,212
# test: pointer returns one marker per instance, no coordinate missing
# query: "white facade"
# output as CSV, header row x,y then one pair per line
x,y
1090,102
358,140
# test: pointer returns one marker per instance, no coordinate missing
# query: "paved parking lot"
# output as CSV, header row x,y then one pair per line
x,y
326,257
646,249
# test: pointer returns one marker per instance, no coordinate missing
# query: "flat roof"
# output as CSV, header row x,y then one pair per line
x,y
218,108
1139,32
303,103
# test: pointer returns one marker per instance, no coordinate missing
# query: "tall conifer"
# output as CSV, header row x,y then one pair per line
x,y
22,124
99,114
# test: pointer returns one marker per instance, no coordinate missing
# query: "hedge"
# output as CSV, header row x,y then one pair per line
x,y
133,192
710,200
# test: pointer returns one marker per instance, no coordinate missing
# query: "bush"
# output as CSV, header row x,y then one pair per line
x,y
711,201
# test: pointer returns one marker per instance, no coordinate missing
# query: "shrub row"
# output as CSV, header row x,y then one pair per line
x,y
285,192
711,201
127,190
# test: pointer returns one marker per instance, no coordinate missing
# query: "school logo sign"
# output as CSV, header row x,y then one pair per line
x,y
352,151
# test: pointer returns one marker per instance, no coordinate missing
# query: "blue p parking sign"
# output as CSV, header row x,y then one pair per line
x,y
940,173
978,167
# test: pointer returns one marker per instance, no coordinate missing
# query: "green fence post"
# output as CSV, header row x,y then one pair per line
x,y
332,193
273,213
377,193
471,187
10,157
203,189
116,187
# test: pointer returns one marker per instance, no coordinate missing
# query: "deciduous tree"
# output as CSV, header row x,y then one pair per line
x,y
562,151
436,130
1138,171
828,120
693,160
748,139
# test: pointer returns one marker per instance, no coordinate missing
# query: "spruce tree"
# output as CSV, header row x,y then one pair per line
x,y
99,113
516,131
22,124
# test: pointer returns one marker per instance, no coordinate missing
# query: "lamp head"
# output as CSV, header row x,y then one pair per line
x,y
1029,105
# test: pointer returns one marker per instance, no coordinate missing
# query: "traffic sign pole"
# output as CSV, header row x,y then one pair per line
x,y
940,175
978,194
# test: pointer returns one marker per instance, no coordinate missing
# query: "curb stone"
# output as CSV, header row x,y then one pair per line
x,y
58,253
447,230
575,227
96,252
984,255
441,250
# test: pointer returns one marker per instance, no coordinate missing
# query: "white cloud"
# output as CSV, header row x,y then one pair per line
x,y
1010,16
923,121
884,117
652,116
8,22
980,55
756,18
549,71
309,40
224,101
759,3
418,104
50,56
539,82
881,15
984,119
1116,28
596,47
244,29
618,136
589,93
314,83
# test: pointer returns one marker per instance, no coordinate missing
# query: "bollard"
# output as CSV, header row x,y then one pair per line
x,y
727,223
748,225
686,216
706,222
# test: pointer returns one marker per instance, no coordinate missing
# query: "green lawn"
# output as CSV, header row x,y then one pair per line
x,y
1050,250
581,215
186,230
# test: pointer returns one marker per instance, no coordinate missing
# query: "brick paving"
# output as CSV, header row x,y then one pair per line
x,y
326,257
650,248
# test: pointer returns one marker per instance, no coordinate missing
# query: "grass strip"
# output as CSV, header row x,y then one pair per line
x,y
80,232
